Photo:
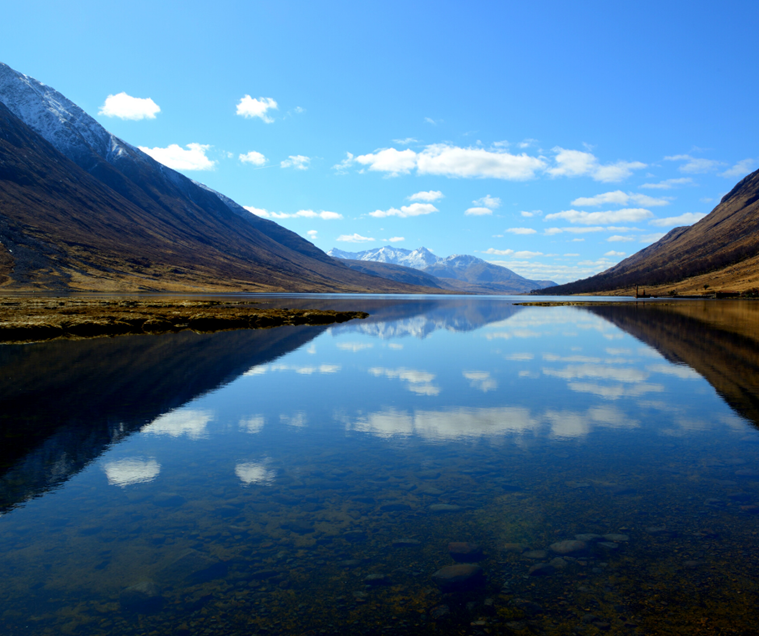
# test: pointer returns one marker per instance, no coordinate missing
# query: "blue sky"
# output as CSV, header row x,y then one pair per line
x,y
553,138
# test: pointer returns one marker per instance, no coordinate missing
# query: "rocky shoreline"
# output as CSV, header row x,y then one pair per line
x,y
26,320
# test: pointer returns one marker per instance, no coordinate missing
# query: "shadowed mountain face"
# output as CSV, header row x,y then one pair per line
x,y
82,209
65,402
718,340
726,236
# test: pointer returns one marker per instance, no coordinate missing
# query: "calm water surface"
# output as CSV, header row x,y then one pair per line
x,y
309,480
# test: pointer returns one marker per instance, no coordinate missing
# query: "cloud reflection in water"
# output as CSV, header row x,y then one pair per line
x,y
126,472
188,422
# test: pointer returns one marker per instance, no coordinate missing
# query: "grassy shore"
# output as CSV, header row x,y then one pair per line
x,y
24,320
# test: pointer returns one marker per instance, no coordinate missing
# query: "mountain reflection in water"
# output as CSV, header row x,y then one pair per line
x,y
309,480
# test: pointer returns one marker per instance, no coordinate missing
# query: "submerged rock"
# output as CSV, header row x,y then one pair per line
x,y
144,597
454,578
535,554
541,569
568,546
192,565
465,552
377,579
441,508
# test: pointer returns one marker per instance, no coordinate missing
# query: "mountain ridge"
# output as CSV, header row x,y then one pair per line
x,y
110,218
720,250
471,274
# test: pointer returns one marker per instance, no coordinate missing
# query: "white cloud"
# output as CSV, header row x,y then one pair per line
x,y
419,382
498,252
415,209
555,271
573,230
249,107
312,234
346,163
405,142
740,169
429,120
618,238
625,215
175,157
125,106
695,165
488,202
521,230
582,371
619,198
577,163
389,160
679,370
299,162
478,211
531,213
395,239
615,392
651,238
254,473
481,380
180,422
429,196
572,254
300,214
613,253
668,184
354,346
527,254
689,218
254,158
297,419
454,161
354,238
253,424
519,357
126,472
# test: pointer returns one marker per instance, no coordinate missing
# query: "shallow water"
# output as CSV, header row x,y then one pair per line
x,y
309,480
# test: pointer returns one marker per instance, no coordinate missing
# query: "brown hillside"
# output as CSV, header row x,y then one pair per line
x,y
64,228
727,239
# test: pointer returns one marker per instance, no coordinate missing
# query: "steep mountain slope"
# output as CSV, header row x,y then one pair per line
x,y
81,209
725,238
457,272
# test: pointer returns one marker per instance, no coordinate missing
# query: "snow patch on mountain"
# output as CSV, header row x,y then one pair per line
x,y
59,120
417,259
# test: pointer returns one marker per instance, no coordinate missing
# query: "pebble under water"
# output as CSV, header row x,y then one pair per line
x,y
447,466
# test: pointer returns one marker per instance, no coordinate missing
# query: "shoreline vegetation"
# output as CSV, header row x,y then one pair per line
x,y
28,320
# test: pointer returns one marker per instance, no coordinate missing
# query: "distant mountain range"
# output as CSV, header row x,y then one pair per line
x,y
82,209
457,272
720,252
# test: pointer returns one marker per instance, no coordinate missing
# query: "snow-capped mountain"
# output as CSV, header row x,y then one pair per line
x,y
418,258
473,273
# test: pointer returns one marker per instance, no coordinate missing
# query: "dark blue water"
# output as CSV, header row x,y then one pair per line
x,y
309,480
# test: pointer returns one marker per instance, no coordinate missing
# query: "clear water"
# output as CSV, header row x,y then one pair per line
x,y
309,480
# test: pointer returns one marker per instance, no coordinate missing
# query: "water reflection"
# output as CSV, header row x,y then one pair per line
x,y
302,481
68,402
126,472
